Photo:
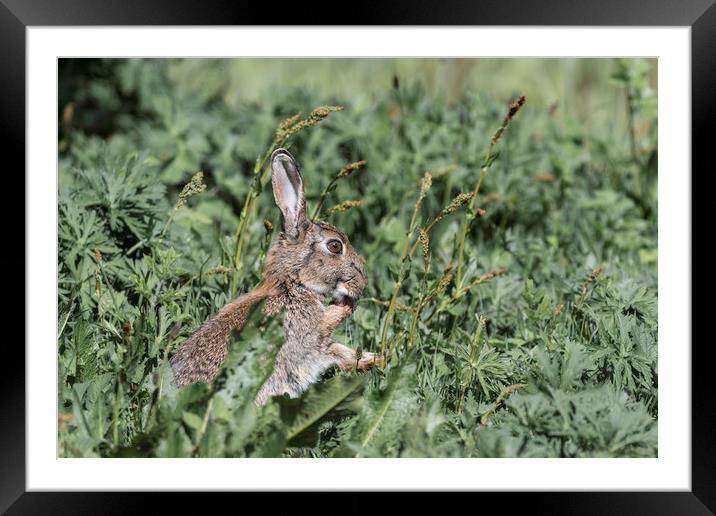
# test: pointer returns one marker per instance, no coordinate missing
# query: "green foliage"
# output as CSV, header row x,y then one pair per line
x,y
303,413
565,416
382,416
511,257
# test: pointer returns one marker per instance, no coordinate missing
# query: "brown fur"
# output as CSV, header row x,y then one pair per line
x,y
201,356
300,272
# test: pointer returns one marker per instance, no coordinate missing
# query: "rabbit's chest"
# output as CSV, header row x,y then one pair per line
x,y
303,319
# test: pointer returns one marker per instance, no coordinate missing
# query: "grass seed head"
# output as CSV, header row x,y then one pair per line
x,y
425,183
350,167
292,125
514,108
220,269
283,129
425,243
444,282
195,186
460,199
344,206
283,126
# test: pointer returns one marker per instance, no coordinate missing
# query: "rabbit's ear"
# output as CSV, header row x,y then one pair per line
x,y
288,192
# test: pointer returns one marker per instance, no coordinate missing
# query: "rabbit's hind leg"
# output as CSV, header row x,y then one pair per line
x,y
348,360
295,377
278,384
273,386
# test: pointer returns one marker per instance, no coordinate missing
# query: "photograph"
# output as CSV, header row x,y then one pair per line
x,y
357,257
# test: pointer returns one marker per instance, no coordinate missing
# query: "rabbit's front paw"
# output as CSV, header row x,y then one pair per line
x,y
369,360
334,315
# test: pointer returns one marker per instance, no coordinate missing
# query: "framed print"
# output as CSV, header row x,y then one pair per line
x,y
384,256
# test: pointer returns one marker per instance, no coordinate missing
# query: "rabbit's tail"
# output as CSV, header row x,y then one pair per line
x,y
200,357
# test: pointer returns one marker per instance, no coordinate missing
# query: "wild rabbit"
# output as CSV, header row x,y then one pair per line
x,y
309,262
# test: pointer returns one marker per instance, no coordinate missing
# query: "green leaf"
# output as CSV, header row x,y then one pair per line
x,y
384,413
192,420
317,402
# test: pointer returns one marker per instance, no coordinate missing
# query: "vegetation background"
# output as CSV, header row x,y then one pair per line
x,y
511,254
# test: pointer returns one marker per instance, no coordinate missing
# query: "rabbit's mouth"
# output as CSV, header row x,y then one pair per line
x,y
345,294
343,301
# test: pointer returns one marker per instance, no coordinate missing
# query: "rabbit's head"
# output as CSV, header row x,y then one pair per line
x,y
315,255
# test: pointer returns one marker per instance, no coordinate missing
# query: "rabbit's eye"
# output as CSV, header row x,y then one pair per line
x,y
334,246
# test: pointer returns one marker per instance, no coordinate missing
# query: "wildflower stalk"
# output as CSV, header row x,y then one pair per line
x,y
202,430
459,200
398,306
464,290
285,130
344,206
268,226
254,192
504,394
472,212
344,172
424,240
593,276
195,186
98,273
404,260
408,251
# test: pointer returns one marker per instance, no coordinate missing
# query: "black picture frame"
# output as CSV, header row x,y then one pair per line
x,y
17,15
